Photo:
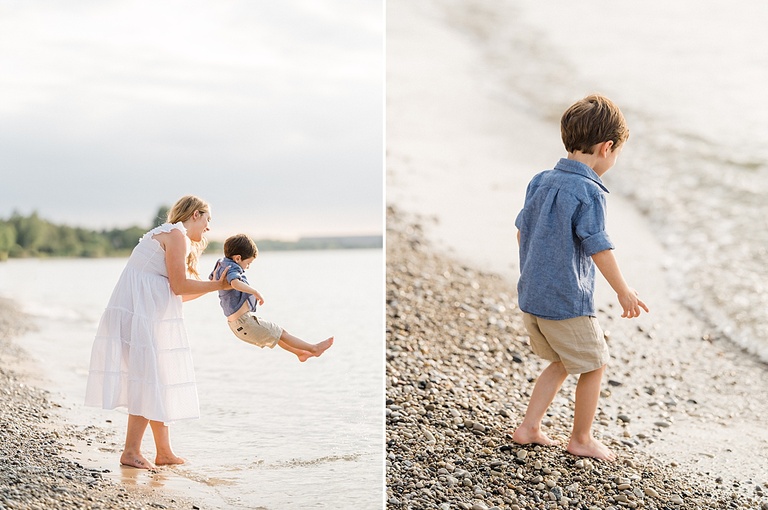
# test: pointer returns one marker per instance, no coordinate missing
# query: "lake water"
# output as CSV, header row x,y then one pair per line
x,y
275,433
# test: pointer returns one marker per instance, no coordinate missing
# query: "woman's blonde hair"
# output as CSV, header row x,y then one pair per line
x,y
182,210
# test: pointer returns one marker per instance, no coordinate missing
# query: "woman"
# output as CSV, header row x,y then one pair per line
x,y
141,358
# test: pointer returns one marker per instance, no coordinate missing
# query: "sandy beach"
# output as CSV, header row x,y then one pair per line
x,y
679,399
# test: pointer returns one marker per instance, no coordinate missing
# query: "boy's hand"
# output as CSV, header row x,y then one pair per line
x,y
258,297
631,304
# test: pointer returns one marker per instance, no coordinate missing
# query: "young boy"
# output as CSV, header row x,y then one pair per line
x,y
239,303
561,231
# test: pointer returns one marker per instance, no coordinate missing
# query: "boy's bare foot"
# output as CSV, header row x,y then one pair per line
x,y
527,435
304,355
320,348
316,350
136,460
593,448
167,460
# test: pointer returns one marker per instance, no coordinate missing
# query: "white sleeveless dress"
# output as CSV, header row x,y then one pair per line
x,y
141,358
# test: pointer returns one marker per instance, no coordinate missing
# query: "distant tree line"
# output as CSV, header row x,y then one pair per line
x,y
33,236
323,243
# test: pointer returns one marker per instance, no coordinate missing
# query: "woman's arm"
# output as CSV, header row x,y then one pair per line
x,y
175,261
190,297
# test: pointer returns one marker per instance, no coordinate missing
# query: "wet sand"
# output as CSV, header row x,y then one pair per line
x,y
460,154
49,462
43,456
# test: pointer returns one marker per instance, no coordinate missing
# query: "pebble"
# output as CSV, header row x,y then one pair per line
x,y
430,438
651,492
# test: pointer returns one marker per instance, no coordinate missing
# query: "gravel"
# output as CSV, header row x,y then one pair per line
x,y
458,377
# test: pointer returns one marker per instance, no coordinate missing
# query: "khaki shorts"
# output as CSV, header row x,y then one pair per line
x,y
578,343
256,331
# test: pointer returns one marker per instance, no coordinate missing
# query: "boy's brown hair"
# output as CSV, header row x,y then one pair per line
x,y
240,244
590,121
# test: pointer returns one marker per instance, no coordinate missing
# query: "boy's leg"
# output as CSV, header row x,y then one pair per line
x,y
544,392
587,394
134,433
301,353
162,435
301,348
292,343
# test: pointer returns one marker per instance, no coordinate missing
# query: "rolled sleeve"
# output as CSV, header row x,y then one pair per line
x,y
233,273
590,227
596,243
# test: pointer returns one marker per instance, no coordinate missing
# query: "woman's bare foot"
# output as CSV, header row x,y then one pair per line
x,y
592,448
168,460
136,460
528,435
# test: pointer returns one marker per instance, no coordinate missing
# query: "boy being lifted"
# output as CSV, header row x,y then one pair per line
x,y
239,303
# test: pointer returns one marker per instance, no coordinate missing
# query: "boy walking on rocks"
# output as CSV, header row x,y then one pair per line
x,y
562,237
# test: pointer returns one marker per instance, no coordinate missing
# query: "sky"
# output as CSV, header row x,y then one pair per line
x,y
270,111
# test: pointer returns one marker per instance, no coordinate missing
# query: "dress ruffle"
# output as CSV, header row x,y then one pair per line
x,y
164,229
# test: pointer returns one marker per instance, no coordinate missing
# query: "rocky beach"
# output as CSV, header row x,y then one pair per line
x,y
459,373
39,449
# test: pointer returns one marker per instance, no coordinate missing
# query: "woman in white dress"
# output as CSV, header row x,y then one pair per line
x,y
141,358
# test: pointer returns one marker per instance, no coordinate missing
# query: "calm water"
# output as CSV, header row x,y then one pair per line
x,y
690,78
274,433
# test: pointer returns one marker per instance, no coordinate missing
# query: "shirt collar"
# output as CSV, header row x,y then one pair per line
x,y
576,167
229,262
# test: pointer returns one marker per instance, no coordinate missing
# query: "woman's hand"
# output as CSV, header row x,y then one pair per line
x,y
222,281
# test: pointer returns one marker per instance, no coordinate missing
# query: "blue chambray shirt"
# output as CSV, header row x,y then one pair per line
x,y
230,299
562,225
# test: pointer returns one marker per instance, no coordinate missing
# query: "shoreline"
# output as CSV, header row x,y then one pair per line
x,y
459,373
49,462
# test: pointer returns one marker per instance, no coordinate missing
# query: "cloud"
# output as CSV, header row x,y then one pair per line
x,y
271,109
